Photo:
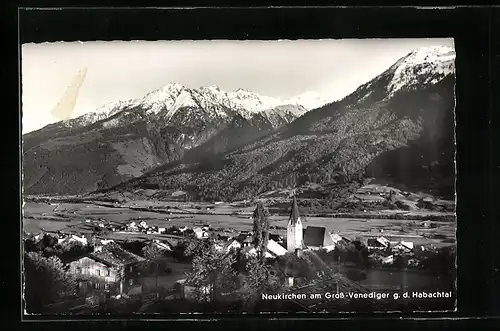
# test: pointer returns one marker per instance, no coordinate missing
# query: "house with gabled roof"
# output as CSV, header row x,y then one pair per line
x,y
404,246
111,268
379,243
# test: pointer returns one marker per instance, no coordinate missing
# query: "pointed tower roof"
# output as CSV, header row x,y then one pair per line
x,y
294,214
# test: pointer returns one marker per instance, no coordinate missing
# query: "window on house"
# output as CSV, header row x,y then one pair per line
x,y
130,282
107,272
130,268
98,272
106,286
78,270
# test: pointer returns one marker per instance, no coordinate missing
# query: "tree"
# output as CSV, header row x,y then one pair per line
x,y
298,267
212,274
46,281
153,255
72,250
196,246
261,229
259,280
152,252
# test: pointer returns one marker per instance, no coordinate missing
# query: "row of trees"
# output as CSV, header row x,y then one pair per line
x,y
48,246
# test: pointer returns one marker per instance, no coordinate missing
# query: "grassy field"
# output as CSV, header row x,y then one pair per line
x,y
72,216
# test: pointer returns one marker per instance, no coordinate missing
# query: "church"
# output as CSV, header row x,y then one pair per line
x,y
299,239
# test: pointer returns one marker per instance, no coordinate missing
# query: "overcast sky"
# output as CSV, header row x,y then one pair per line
x,y
125,70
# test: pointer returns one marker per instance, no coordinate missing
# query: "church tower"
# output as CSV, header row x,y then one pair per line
x,y
294,229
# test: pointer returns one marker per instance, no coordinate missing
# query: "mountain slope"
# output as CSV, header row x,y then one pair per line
x,y
125,139
397,127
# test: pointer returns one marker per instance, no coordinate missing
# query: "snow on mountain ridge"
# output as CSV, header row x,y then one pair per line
x,y
433,62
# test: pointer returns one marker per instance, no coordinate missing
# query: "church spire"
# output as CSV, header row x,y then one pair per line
x,y
294,214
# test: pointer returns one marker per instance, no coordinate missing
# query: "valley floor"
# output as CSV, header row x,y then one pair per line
x,y
72,217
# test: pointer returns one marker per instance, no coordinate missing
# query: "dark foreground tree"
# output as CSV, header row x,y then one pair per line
x,y
46,281
212,274
261,278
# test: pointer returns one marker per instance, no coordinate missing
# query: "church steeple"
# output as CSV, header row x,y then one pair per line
x,y
294,229
294,214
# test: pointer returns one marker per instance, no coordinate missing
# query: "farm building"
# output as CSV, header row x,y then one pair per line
x,y
115,270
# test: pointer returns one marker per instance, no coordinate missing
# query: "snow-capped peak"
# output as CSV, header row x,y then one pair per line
x,y
434,63
169,99
309,100
161,99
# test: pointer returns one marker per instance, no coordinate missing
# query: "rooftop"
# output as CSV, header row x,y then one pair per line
x,y
116,257
314,236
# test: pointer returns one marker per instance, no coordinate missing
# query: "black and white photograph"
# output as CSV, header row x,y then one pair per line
x,y
238,176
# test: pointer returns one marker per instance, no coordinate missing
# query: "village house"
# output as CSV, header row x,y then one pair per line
x,y
132,227
104,242
224,237
248,241
273,250
379,243
38,237
229,245
162,245
404,247
114,270
74,237
200,233
252,251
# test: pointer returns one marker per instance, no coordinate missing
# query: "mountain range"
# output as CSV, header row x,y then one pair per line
x,y
398,128
123,139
